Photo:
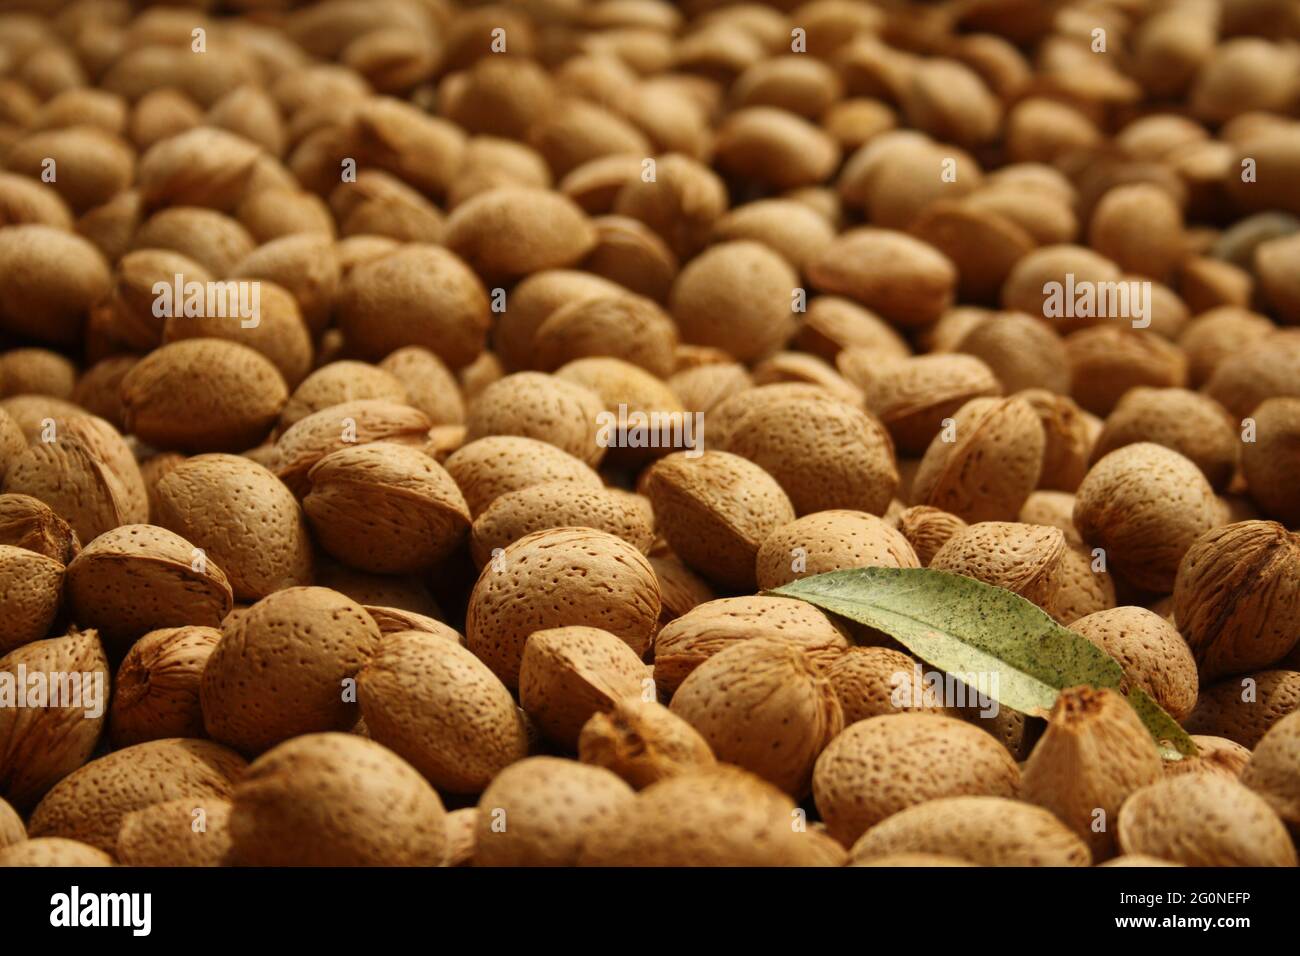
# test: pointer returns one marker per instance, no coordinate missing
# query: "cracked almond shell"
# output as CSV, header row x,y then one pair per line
x,y
385,508
331,799
643,742
990,468
688,641
1237,597
557,578
90,803
441,709
882,765
156,693
1145,505
715,510
138,578
985,830
1093,754
539,811
242,516
1204,820
43,744
765,705
279,668
567,674
830,541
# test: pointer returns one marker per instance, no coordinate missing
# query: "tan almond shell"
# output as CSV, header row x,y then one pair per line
x,y
202,395
430,385
1192,424
927,530
1265,368
543,407
74,479
834,324
1204,820
533,301
736,296
763,705
547,230
703,387
1214,755
105,441
867,681
557,504
494,466
33,589
49,278
539,811
53,851
1270,461
185,832
437,706
140,577
1019,557
830,541
882,765
984,830
1095,752
630,253
681,589
392,619
1145,505
385,508
643,742
406,592
1237,596
1152,652
156,693
461,827
805,369
624,326
43,744
306,264
991,468
912,859
1273,770
681,205
560,577
338,382
279,668
735,819
626,390
12,829
243,517
907,281
1244,708
715,509
688,641
332,799
913,396
318,434
825,453
90,803
12,441
570,673
1213,335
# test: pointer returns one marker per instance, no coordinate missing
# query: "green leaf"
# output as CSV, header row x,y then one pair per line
x,y
964,626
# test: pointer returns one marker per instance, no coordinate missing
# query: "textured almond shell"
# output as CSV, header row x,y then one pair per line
x,y
1152,652
170,834
643,742
157,690
831,541
491,467
32,585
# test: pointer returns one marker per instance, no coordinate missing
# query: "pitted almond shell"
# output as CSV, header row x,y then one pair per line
x,y
140,577
1273,771
90,803
73,478
331,799
242,516
985,830
680,587
279,668
558,504
1244,708
438,706
391,620
550,807
534,405
715,509
764,705
33,588
990,468
1237,595
494,466
643,742
184,832
430,385
624,326
1019,557
927,530
53,851
868,680
570,673
685,643
907,281
830,541
12,829
1213,755
1269,463
560,577
736,819
702,387
385,508
157,689
43,743
882,765
1204,820
337,426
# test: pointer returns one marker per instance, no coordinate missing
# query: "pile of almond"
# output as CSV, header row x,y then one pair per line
x,y
405,406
